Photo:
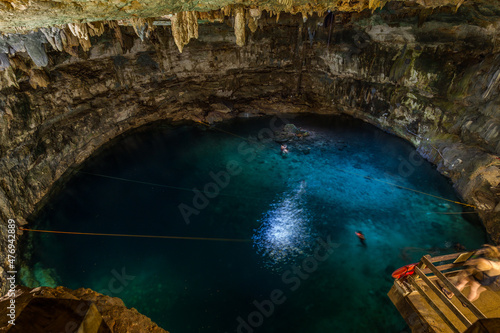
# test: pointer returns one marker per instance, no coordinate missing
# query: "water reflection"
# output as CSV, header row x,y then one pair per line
x,y
286,232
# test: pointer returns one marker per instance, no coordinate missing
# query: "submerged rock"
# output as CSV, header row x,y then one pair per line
x,y
289,133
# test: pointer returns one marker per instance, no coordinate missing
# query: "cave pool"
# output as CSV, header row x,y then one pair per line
x,y
300,266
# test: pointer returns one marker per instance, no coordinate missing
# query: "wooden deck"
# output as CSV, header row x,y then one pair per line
x,y
426,309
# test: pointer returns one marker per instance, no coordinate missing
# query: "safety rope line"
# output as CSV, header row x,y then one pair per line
x,y
242,196
136,236
406,188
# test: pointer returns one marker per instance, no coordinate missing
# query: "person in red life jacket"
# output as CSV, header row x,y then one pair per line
x,y
361,237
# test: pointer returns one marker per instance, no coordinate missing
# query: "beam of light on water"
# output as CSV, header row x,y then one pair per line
x,y
286,231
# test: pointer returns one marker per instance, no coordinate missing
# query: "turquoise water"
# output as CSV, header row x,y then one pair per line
x,y
301,268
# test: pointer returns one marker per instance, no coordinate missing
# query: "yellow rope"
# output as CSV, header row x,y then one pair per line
x,y
407,188
137,236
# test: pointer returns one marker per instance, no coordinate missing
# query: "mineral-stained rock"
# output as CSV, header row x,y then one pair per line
x,y
38,78
96,28
220,107
142,27
117,32
70,41
4,46
253,16
34,43
81,31
4,61
53,36
8,78
16,42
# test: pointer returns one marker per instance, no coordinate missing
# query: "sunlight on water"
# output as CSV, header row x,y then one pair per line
x,y
285,233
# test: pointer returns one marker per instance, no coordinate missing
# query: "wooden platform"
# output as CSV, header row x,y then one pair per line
x,y
426,309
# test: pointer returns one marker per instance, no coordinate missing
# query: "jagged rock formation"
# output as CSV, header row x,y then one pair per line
x,y
19,15
430,76
115,314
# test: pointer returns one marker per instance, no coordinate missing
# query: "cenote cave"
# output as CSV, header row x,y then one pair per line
x,y
249,166
298,212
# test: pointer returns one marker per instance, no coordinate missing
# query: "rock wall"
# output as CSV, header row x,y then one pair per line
x,y
425,76
115,314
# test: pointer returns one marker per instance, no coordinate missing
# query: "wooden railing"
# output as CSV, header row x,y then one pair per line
x,y
429,269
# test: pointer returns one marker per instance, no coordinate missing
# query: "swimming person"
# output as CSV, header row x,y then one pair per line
x,y
361,237
284,149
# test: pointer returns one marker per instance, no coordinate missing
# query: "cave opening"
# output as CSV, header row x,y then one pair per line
x,y
301,267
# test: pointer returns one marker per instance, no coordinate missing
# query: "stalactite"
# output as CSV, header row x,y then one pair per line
x,y
53,36
184,27
36,49
70,41
38,78
85,43
142,27
80,30
96,28
375,4
117,31
239,25
226,10
253,16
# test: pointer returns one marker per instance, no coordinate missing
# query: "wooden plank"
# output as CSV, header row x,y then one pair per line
x,y
452,288
436,308
446,257
443,268
445,299
452,256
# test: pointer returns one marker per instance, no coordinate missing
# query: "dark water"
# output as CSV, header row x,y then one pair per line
x,y
302,270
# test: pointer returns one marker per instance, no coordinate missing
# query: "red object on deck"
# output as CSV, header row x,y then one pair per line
x,y
404,271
